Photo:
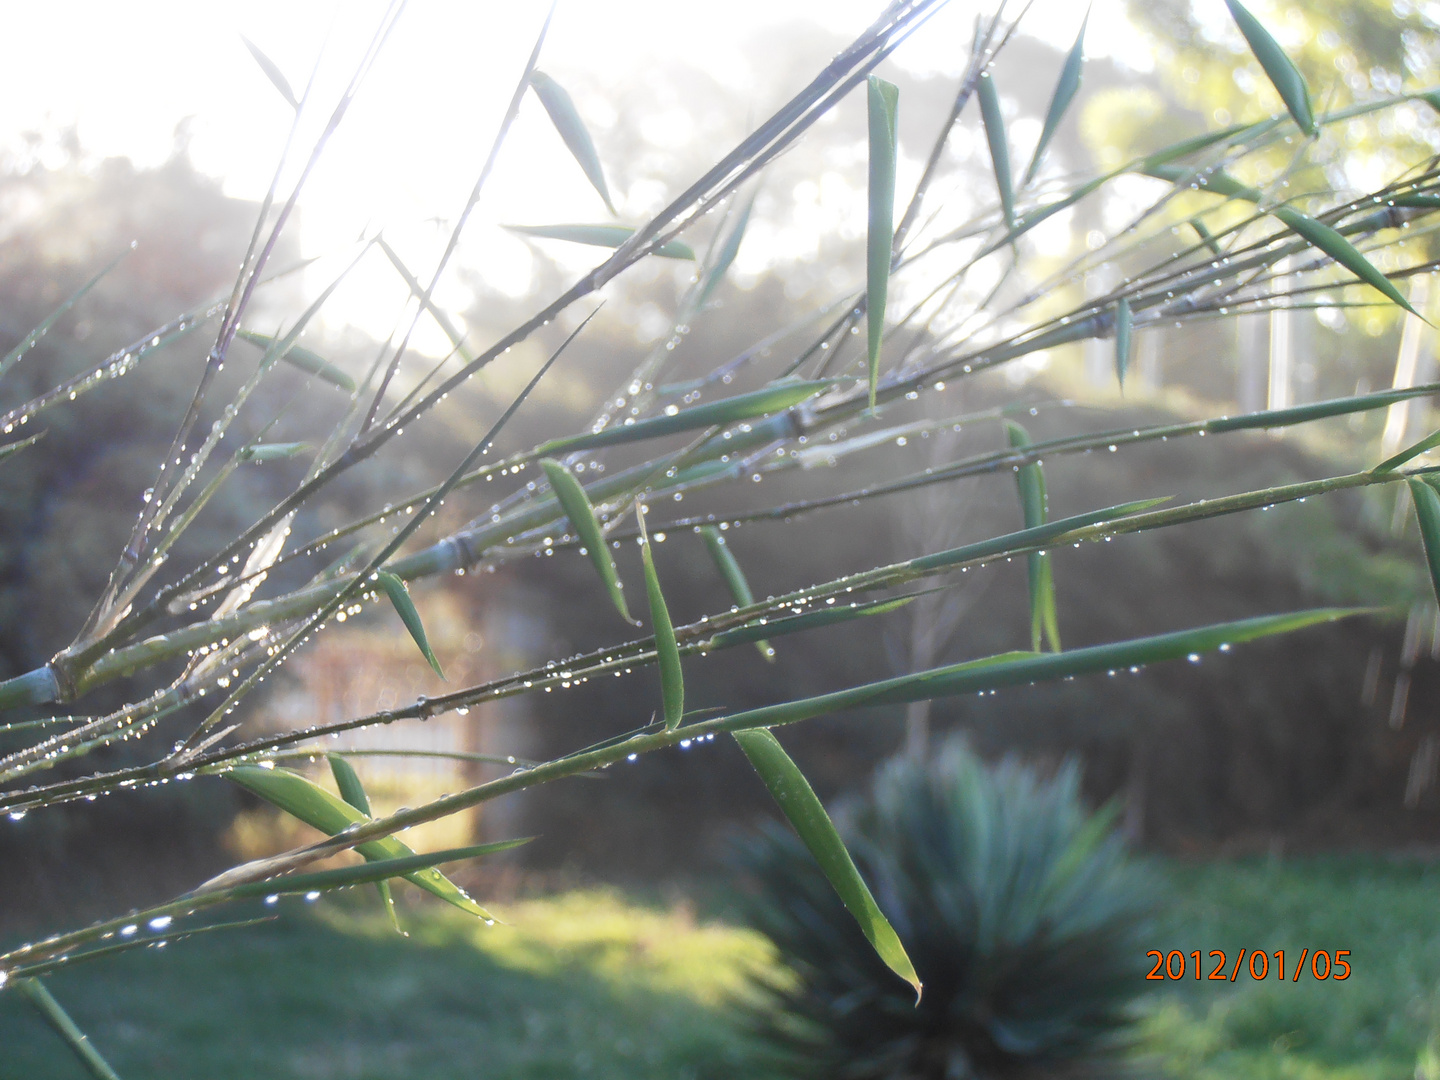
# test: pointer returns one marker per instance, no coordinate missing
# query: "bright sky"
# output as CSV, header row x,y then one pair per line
x,y
126,74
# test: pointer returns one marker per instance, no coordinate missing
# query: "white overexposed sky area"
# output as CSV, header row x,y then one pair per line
x,y
124,75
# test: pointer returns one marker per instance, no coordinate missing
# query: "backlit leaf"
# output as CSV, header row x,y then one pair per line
x,y
272,72
994,121
611,236
1390,464
1123,325
883,99
1322,236
813,825
353,792
399,597
1283,73
303,359
563,115
1034,506
667,652
734,577
581,513
1427,511
1065,89
726,255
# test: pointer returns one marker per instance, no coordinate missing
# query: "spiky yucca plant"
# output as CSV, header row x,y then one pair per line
x,y
1024,917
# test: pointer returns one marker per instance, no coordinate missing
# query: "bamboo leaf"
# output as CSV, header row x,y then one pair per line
x,y
1390,464
1206,237
1123,324
56,1016
273,451
572,129
811,620
773,398
734,577
610,236
725,256
303,359
272,72
813,825
1427,512
1065,89
1034,506
667,651
379,871
315,806
1283,73
1322,236
353,792
994,121
40,331
576,505
883,100
399,597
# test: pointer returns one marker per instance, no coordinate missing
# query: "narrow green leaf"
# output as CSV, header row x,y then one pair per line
x,y
572,129
56,1016
734,577
1322,236
610,236
1283,73
883,103
813,825
319,809
667,651
40,331
1427,511
1215,181
1065,89
773,398
405,607
15,447
303,359
1123,326
273,451
353,792
576,505
994,121
811,620
1390,464
272,72
725,256
379,871
1205,236
1030,480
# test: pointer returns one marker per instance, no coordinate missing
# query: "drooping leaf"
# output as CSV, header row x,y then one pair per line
x,y
1427,511
273,451
572,129
581,513
610,236
353,792
1123,325
1390,464
272,72
883,101
399,597
994,121
56,1016
715,273
317,808
1034,506
379,871
303,359
1322,236
1065,89
769,399
812,824
1280,69
734,577
667,651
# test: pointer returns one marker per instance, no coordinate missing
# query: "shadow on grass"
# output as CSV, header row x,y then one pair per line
x,y
590,988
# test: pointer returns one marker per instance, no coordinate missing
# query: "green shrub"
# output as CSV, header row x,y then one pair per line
x,y
1024,916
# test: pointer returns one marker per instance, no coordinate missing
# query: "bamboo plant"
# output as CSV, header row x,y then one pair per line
x,y
941,303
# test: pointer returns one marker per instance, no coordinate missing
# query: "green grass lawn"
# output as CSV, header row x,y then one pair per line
x,y
589,984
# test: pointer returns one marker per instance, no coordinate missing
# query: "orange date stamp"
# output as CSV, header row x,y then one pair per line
x,y
1323,965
